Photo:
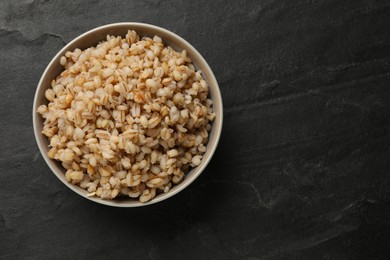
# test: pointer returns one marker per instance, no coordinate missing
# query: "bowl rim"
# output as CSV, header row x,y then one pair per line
x,y
217,123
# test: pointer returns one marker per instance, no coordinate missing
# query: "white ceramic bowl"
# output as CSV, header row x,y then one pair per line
x,y
91,38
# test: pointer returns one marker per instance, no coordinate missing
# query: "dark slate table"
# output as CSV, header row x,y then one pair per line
x,y
302,169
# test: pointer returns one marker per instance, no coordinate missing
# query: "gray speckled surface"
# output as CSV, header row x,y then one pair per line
x,y
302,169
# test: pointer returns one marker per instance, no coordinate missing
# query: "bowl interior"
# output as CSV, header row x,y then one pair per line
x,y
91,38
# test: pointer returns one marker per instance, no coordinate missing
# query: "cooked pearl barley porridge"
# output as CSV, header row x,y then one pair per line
x,y
127,118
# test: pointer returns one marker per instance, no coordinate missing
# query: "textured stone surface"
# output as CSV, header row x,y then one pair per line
x,y
302,169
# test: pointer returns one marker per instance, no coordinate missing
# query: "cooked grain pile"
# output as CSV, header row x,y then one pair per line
x,y
128,117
